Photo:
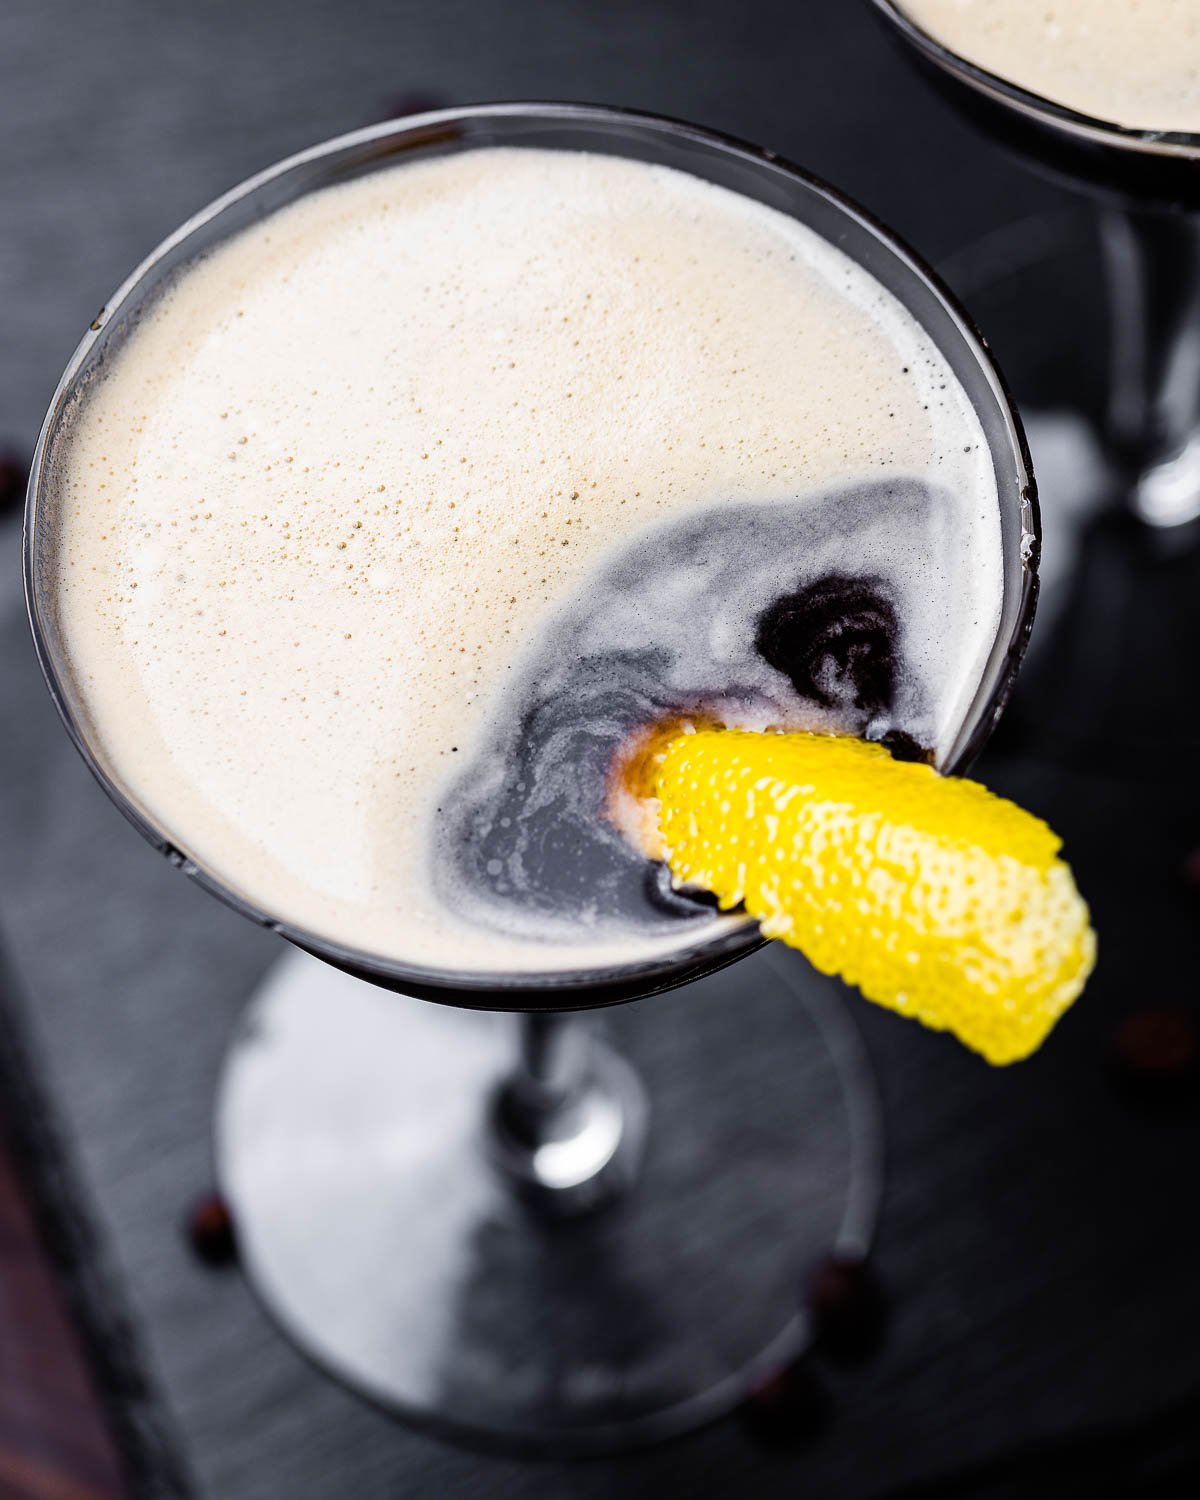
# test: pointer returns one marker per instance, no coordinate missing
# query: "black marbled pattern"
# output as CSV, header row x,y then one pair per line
x,y
672,623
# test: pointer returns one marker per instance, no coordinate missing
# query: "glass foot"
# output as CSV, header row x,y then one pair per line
x,y
353,1140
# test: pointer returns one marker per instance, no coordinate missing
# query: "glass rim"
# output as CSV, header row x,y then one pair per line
x,y
1178,145
558,989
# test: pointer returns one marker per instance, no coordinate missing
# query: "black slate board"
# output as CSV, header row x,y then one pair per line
x,y
1037,1239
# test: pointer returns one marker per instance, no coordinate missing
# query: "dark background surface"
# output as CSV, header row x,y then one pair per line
x,y
1037,1242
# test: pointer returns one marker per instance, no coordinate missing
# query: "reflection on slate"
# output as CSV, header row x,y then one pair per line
x,y
484,1313
1036,1241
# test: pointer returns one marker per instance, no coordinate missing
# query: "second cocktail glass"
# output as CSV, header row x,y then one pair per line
x,y
526,1240
1122,494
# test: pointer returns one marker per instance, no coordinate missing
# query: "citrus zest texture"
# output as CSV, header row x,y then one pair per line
x,y
933,896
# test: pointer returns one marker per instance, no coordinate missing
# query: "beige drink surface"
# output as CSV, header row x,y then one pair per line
x,y
1129,62
327,498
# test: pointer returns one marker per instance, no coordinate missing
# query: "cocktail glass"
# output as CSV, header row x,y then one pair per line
x,y
481,1223
1122,493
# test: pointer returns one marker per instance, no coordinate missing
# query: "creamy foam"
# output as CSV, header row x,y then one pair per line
x,y
1131,62
384,484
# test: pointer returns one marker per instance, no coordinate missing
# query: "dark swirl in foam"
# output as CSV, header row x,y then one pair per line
x,y
827,612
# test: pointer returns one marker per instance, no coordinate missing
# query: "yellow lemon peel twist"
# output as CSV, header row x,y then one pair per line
x,y
933,896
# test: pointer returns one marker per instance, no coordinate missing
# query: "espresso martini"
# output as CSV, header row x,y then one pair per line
x,y
397,513
1134,63
371,558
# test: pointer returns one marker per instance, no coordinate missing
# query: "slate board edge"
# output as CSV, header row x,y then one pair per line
x,y
150,1452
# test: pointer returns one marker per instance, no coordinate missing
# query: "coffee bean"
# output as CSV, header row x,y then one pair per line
x,y
1154,1057
210,1231
847,1306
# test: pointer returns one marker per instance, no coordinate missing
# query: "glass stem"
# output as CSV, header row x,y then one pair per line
x,y
551,1072
568,1123
1152,261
